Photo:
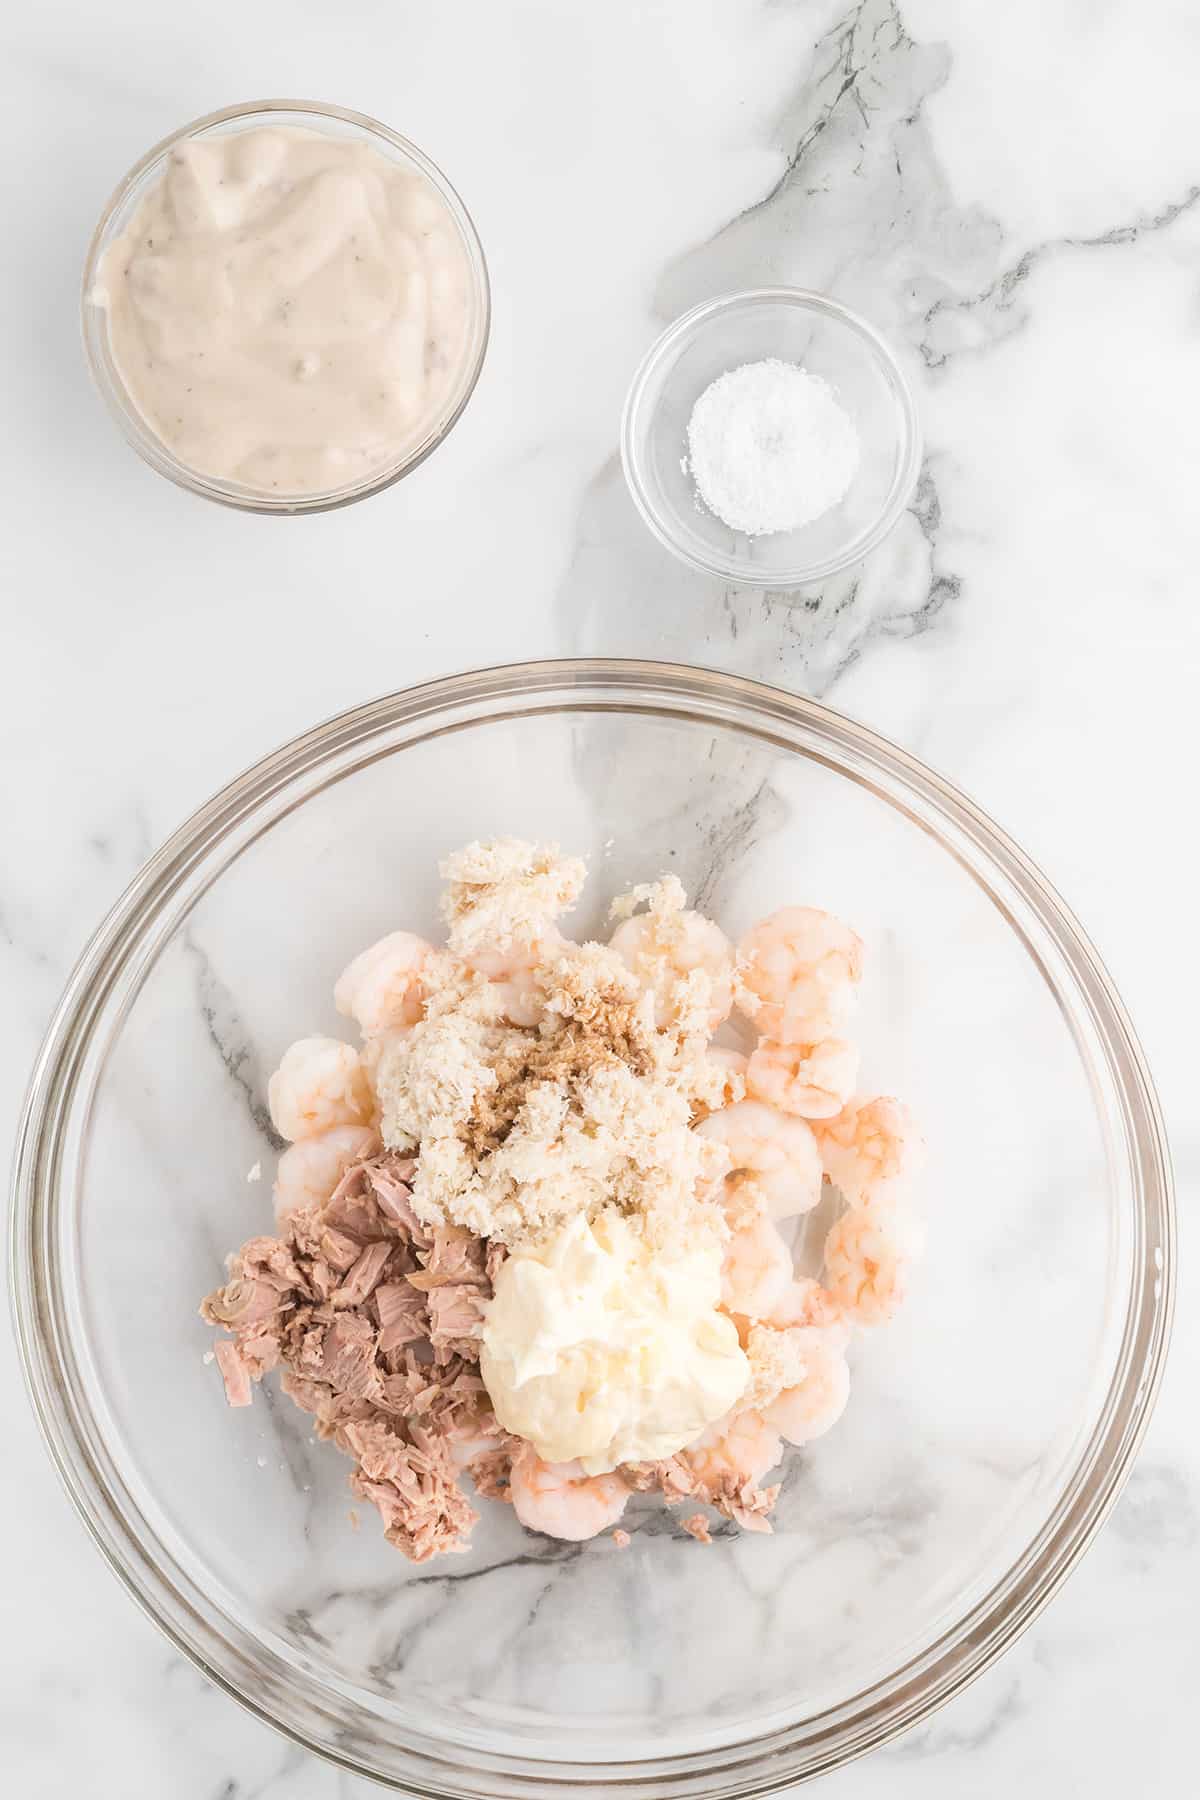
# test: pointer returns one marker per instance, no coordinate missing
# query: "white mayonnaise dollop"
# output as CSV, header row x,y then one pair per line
x,y
599,1348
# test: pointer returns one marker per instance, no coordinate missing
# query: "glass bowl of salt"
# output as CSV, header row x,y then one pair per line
x,y
770,438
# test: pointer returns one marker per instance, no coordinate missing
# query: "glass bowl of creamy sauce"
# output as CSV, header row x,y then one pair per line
x,y
285,306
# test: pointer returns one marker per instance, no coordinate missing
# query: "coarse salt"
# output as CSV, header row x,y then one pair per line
x,y
770,447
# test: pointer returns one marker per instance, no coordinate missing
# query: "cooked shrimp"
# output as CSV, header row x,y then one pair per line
x,y
756,1270
819,1400
667,944
382,988
320,1083
798,974
772,1154
471,1445
740,1448
511,972
804,1302
309,1171
871,1150
812,1080
559,1500
867,1261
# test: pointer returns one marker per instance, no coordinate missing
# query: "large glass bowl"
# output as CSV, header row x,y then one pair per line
x,y
990,1427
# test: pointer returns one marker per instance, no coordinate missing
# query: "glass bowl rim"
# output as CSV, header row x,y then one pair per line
x,y
753,1766
731,568
139,435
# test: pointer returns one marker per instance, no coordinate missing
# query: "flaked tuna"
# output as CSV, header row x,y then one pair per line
x,y
375,1319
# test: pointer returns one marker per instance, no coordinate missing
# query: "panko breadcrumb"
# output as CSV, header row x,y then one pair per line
x,y
663,899
506,891
522,1127
777,1363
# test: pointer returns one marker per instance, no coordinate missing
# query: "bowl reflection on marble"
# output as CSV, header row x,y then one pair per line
x,y
794,326
990,1426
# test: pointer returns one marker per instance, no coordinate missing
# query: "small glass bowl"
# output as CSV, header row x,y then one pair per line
x,y
794,326
334,121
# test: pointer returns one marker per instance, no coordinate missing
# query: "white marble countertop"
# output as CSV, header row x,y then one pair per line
x,y
1012,193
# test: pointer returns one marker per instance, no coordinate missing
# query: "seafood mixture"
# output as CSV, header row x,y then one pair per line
x,y
528,1231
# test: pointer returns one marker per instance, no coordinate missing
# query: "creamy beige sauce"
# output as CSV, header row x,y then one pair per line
x,y
287,310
